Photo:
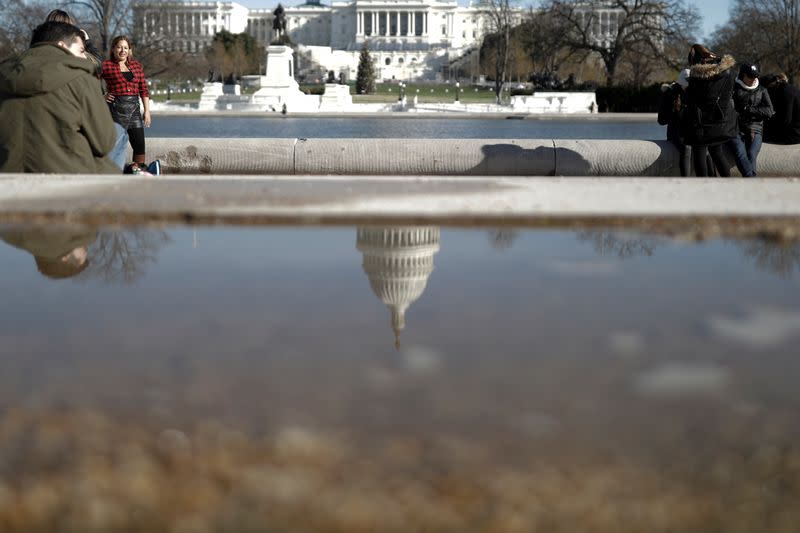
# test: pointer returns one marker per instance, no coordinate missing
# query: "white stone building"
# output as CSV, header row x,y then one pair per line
x,y
409,39
187,25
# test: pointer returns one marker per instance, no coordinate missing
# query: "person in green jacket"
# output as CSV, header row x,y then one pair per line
x,y
52,110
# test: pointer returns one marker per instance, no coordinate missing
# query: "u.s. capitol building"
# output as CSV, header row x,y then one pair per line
x,y
408,39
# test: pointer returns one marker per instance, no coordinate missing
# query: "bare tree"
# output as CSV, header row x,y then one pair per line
x,y
501,16
18,18
637,67
544,41
622,244
107,17
769,255
613,28
765,32
123,256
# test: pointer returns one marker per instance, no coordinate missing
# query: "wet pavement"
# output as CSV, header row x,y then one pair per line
x,y
400,377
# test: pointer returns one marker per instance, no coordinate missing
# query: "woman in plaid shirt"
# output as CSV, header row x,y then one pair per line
x,y
125,85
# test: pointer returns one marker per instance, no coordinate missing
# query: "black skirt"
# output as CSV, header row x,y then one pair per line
x,y
125,112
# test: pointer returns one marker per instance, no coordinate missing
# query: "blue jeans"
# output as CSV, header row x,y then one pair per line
x,y
120,151
740,152
752,142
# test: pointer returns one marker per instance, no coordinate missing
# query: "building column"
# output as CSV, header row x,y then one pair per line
x,y
358,23
374,23
413,27
425,23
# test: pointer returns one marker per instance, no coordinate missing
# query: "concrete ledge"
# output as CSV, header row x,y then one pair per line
x,y
223,156
242,199
460,157
438,157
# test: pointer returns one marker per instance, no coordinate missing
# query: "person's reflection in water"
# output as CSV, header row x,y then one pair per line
x,y
502,238
59,252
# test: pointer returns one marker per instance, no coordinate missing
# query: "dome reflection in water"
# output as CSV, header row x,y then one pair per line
x,y
398,261
199,379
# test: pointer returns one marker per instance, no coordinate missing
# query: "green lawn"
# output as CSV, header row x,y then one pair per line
x,y
385,93
425,93
192,96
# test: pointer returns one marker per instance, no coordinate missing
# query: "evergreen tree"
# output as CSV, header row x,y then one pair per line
x,y
365,77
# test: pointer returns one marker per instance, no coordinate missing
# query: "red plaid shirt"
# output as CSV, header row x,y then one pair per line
x,y
116,83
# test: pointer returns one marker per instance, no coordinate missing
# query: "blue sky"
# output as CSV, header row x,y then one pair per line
x,y
714,12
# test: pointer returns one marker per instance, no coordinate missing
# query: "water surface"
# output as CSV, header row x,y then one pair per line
x,y
398,378
416,127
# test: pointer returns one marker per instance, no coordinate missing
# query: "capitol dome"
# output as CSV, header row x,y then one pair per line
x,y
398,261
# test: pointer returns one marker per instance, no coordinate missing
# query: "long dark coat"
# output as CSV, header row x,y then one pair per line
x,y
709,117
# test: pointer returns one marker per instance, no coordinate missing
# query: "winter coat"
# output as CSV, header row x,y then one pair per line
x,y
670,110
709,117
753,106
53,114
784,126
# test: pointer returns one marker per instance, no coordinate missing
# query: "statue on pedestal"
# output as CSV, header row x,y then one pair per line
x,y
279,24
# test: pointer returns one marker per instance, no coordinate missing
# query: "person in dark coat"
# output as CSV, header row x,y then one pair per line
x,y
784,126
753,106
670,109
670,112
709,120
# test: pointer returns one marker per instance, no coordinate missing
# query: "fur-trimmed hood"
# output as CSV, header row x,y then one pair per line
x,y
706,71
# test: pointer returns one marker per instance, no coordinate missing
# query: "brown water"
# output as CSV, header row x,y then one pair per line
x,y
247,379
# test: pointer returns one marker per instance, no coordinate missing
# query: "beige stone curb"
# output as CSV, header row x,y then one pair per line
x,y
438,157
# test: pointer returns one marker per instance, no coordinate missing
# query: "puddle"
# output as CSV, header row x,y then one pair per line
x,y
396,378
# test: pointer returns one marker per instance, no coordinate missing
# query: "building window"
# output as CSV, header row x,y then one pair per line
x,y
388,61
444,29
400,60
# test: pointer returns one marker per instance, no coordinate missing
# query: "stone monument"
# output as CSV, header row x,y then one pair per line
x,y
279,87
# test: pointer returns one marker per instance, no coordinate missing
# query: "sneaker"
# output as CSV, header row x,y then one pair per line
x,y
137,170
154,168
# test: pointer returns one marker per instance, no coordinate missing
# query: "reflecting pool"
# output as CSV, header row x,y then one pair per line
x,y
582,127
397,378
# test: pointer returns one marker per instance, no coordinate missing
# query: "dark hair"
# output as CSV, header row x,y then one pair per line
x,y
700,54
59,15
53,32
115,41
